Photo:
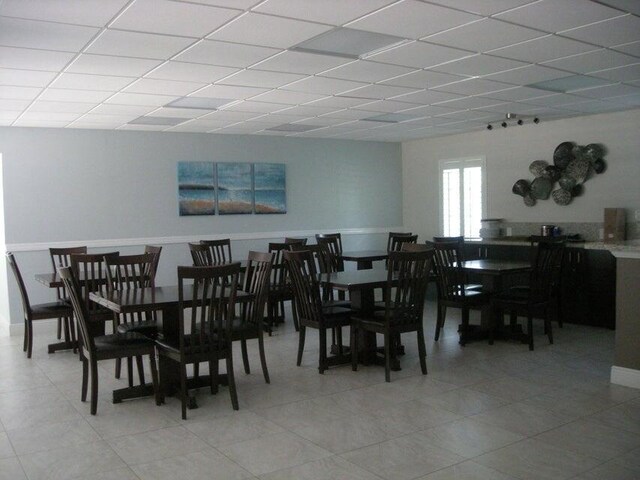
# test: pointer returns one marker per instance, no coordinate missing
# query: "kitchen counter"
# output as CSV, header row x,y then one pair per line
x,y
626,249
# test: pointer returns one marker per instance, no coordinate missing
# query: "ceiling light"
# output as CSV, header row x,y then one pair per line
x,y
203,103
168,121
569,84
294,127
349,43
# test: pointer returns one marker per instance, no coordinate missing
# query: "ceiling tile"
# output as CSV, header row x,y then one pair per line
x,y
386,106
230,116
428,96
83,96
133,44
46,35
555,100
527,75
260,77
558,15
190,72
428,110
340,102
288,97
621,74
7,118
307,110
62,107
350,114
419,55
487,34
83,81
299,62
94,13
543,49
177,112
632,48
324,85
257,29
380,91
225,54
109,65
171,18
230,91
241,4
29,59
10,104
469,102
515,94
608,91
472,86
631,6
132,110
412,19
617,31
423,79
49,116
479,65
364,71
334,12
256,107
40,123
593,61
163,87
141,99
115,120
483,7
146,128
25,78
19,93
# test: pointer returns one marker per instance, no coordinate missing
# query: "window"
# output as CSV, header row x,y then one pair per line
x,y
462,196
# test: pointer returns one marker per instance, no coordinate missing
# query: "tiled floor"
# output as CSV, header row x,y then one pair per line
x,y
483,412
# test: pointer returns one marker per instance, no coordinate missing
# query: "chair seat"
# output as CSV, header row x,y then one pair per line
x,y
471,297
51,310
473,286
174,346
336,311
119,341
148,328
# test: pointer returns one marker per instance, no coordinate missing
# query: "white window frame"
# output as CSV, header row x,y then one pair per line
x,y
461,163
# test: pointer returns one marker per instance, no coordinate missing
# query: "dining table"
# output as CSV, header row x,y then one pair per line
x,y
364,258
164,300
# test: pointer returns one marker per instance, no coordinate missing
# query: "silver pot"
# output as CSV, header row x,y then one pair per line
x,y
547,230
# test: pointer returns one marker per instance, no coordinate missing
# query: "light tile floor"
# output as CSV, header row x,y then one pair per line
x,y
483,412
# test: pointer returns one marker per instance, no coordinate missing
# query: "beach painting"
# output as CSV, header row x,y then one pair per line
x,y
270,192
234,188
196,188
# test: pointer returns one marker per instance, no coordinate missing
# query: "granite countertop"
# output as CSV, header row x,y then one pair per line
x,y
628,248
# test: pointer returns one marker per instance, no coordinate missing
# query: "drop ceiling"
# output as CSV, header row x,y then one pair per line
x,y
243,66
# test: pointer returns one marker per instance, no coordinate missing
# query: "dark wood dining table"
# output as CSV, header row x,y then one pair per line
x,y
164,300
364,258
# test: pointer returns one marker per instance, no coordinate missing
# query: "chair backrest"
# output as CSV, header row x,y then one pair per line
x,y
392,237
397,242
90,271
26,306
279,274
207,326
416,247
219,250
333,251
201,255
131,271
61,257
155,251
295,241
450,277
457,240
306,287
407,279
257,277
81,314
545,274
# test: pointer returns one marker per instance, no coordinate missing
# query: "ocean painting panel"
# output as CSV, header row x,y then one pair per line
x,y
196,188
270,188
234,188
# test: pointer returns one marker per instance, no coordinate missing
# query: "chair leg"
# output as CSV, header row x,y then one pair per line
x,y
530,330
245,356
130,371
422,350
154,378
338,331
140,369
118,367
183,389
29,338
322,366
72,327
465,326
94,386
294,314
214,374
85,378
387,357
263,358
303,331
441,312
232,381
59,332
67,331
25,335
548,327
353,345
196,371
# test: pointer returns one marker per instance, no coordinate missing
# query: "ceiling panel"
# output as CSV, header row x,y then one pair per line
x,y
62,107
230,91
110,65
299,62
419,55
91,82
95,13
324,85
478,65
141,99
29,59
364,71
472,86
191,72
260,77
16,32
617,31
288,97
621,74
334,12
163,87
527,75
483,7
25,78
65,95
593,61
423,79
380,91
133,44
19,93
543,49
632,48
225,54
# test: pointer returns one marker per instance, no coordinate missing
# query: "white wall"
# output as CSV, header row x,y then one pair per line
x,y
509,152
110,188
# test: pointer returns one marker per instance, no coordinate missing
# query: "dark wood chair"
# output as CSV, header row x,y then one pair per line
x,y
154,250
557,288
94,348
407,279
392,241
452,287
130,272
304,278
296,241
31,313
534,301
280,288
219,250
333,243
201,255
250,324
61,257
204,332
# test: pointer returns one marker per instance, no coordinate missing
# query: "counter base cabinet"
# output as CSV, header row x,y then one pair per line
x,y
588,284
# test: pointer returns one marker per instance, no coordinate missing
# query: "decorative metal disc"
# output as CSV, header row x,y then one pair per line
x,y
562,155
599,165
578,169
521,187
593,152
566,182
529,201
552,173
537,167
541,188
561,196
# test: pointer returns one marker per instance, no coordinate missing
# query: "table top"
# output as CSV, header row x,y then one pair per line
x,y
495,267
365,255
356,280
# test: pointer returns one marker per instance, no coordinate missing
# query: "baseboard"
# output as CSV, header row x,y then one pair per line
x,y
627,377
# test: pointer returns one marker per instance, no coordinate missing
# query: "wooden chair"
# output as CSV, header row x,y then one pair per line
x,y
393,240
280,288
204,332
31,313
219,250
557,288
295,241
250,324
61,257
407,278
333,243
535,300
129,272
304,277
154,251
94,348
452,290
201,255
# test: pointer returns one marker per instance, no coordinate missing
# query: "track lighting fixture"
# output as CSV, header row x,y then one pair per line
x,y
504,124
536,120
520,122
510,119
489,127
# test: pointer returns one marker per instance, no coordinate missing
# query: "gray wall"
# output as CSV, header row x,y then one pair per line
x,y
627,313
110,188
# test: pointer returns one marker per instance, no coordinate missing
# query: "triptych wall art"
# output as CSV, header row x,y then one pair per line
x,y
207,188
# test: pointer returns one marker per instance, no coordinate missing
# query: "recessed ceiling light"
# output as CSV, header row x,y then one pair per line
x,y
169,121
569,84
349,43
293,127
391,118
203,103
